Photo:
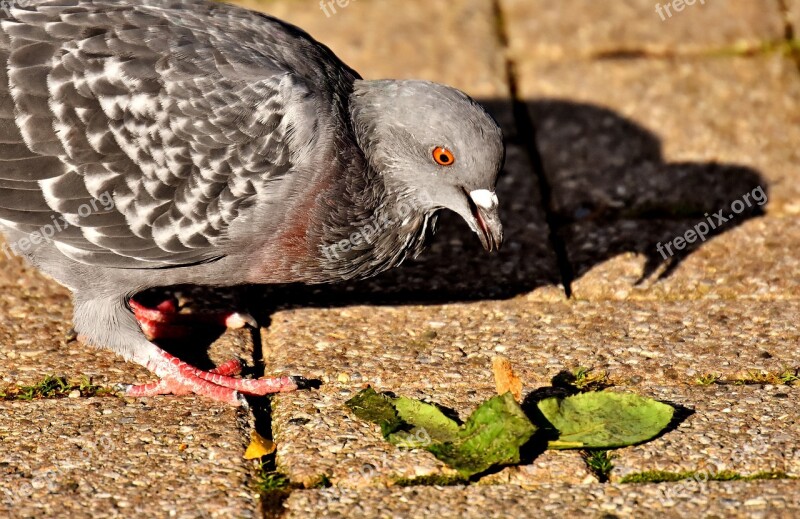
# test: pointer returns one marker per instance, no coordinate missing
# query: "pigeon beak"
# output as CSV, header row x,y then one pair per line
x,y
484,205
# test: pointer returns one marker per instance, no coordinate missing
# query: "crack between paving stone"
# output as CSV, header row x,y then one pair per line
x,y
790,33
259,419
526,130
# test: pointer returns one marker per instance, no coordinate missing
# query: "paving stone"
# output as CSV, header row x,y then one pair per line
x,y
617,143
794,15
549,467
773,499
752,260
104,457
450,41
455,42
317,435
606,165
743,429
35,316
445,352
570,29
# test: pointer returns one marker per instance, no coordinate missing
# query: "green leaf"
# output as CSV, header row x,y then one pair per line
x,y
491,436
604,420
376,408
429,423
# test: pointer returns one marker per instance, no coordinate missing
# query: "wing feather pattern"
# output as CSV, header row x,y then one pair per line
x,y
147,128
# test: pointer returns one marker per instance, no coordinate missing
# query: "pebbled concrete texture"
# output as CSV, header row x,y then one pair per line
x,y
580,29
754,260
445,352
662,350
793,15
728,499
452,41
742,429
615,142
35,342
105,457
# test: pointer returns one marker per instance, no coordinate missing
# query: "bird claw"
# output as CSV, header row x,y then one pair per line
x,y
181,379
239,320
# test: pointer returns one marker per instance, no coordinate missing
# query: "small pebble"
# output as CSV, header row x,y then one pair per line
x,y
75,393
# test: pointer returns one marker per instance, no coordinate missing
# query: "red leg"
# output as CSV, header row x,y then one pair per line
x,y
180,378
162,387
228,369
164,321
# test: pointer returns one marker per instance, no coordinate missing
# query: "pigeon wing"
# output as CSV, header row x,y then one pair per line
x,y
141,131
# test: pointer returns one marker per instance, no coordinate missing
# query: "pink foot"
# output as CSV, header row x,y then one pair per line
x,y
217,384
164,321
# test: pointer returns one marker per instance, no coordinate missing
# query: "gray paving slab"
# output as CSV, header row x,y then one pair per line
x,y
672,138
793,12
765,499
450,41
744,430
573,29
629,259
105,457
445,352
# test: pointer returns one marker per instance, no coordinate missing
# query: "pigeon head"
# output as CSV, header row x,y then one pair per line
x,y
434,147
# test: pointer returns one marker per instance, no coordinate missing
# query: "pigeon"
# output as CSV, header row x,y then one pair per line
x,y
155,143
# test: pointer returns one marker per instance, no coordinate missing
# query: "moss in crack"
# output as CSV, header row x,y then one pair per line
x,y
271,480
786,47
706,380
322,481
660,476
786,377
599,463
439,480
273,486
51,387
583,379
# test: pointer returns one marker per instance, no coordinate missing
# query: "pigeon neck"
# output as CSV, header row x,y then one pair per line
x,y
374,228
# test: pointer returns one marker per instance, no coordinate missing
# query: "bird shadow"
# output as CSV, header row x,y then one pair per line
x,y
581,185
604,179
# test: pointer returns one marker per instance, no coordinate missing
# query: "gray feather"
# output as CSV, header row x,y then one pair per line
x,y
177,109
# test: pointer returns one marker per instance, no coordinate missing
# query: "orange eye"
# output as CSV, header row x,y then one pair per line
x,y
443,156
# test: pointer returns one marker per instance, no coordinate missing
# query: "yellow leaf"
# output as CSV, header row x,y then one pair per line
x,y
259,446
505,379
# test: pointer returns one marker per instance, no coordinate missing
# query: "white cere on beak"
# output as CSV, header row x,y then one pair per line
x,y
484,198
